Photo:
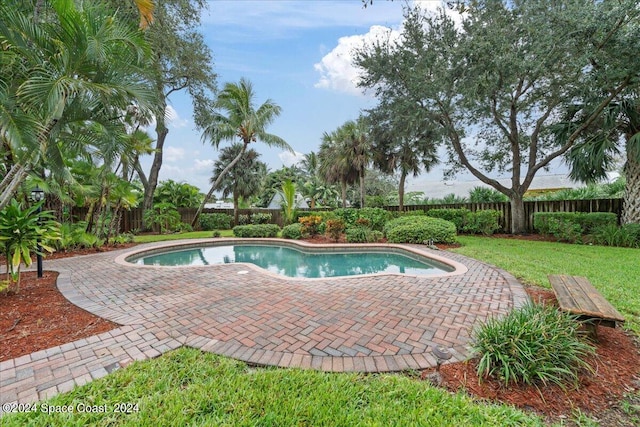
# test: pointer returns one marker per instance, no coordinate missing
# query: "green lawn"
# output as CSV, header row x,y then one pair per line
x,y
189,387
149,238
613,271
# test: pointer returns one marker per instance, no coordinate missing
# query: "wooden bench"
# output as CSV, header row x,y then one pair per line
x,y
577,296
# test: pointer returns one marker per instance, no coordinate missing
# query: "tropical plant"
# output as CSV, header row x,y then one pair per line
x,y
66,75
179,194
22,233
215,221
334,228
288,196
335,167
400,143
532,344
244,179
163,216
242,121
292,231
486,195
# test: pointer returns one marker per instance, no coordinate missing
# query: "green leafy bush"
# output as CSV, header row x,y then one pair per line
x,y
550,222
256,230
216,233
310,224
261,218
348,215
20,231
359,234
420,229
534,343
292,231
456,216
334,228
183,227
215,221
484,222
611,235
74,236
163,217
243,219
377,217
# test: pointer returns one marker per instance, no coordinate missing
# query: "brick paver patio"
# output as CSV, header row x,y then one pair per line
x,y
368,324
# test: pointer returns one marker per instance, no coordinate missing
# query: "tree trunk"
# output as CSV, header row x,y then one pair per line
x,y
518,219
235,207
152,181
362,190
403,177
631,203
215,184
343,186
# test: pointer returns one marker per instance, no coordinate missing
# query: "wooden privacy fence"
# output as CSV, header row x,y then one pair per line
x,y
132,220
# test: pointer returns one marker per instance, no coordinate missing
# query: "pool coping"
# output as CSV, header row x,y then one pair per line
x,y
458,267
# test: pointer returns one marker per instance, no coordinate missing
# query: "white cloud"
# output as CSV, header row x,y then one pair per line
x,y
336,68
172,154
206,164
289,159
174,119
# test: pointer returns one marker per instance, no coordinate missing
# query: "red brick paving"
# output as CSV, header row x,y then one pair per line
x,y
367,324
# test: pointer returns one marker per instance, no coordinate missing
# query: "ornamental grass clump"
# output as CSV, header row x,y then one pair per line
x,y
532,344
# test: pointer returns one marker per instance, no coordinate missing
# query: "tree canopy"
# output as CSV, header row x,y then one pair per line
x,y
495,82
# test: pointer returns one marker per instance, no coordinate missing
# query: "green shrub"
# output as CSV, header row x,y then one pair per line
x,y
334,228
420,229
310,224
325,215
74,236
611,235
163,217
292,231
256,230
377,217
183,227
261,218
548,222
359,234
215,221
456,216
484,222
243,219
534,343
348,215
216,233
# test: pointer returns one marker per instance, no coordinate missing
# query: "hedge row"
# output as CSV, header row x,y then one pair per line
x,y
484,222
420,229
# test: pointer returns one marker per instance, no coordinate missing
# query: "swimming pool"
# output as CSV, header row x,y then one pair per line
x,y
298,262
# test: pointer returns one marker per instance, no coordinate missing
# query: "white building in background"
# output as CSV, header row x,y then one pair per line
x,y
276,201
219,205
439,189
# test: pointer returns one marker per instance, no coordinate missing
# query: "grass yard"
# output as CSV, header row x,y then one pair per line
x,y
189,387
150,238
613,271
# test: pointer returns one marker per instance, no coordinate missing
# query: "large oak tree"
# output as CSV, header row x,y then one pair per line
x,y
496,82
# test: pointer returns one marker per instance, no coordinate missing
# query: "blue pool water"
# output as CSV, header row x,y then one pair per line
x,y
296,263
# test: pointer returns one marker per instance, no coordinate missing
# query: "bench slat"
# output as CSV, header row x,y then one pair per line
x,y
577,295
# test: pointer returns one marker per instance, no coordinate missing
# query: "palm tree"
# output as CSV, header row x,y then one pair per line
x,y
67,77
244,179
399,146
335,166
242,121
356,146
596,153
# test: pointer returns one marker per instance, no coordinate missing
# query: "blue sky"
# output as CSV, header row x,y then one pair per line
x,y
280,47
296,53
